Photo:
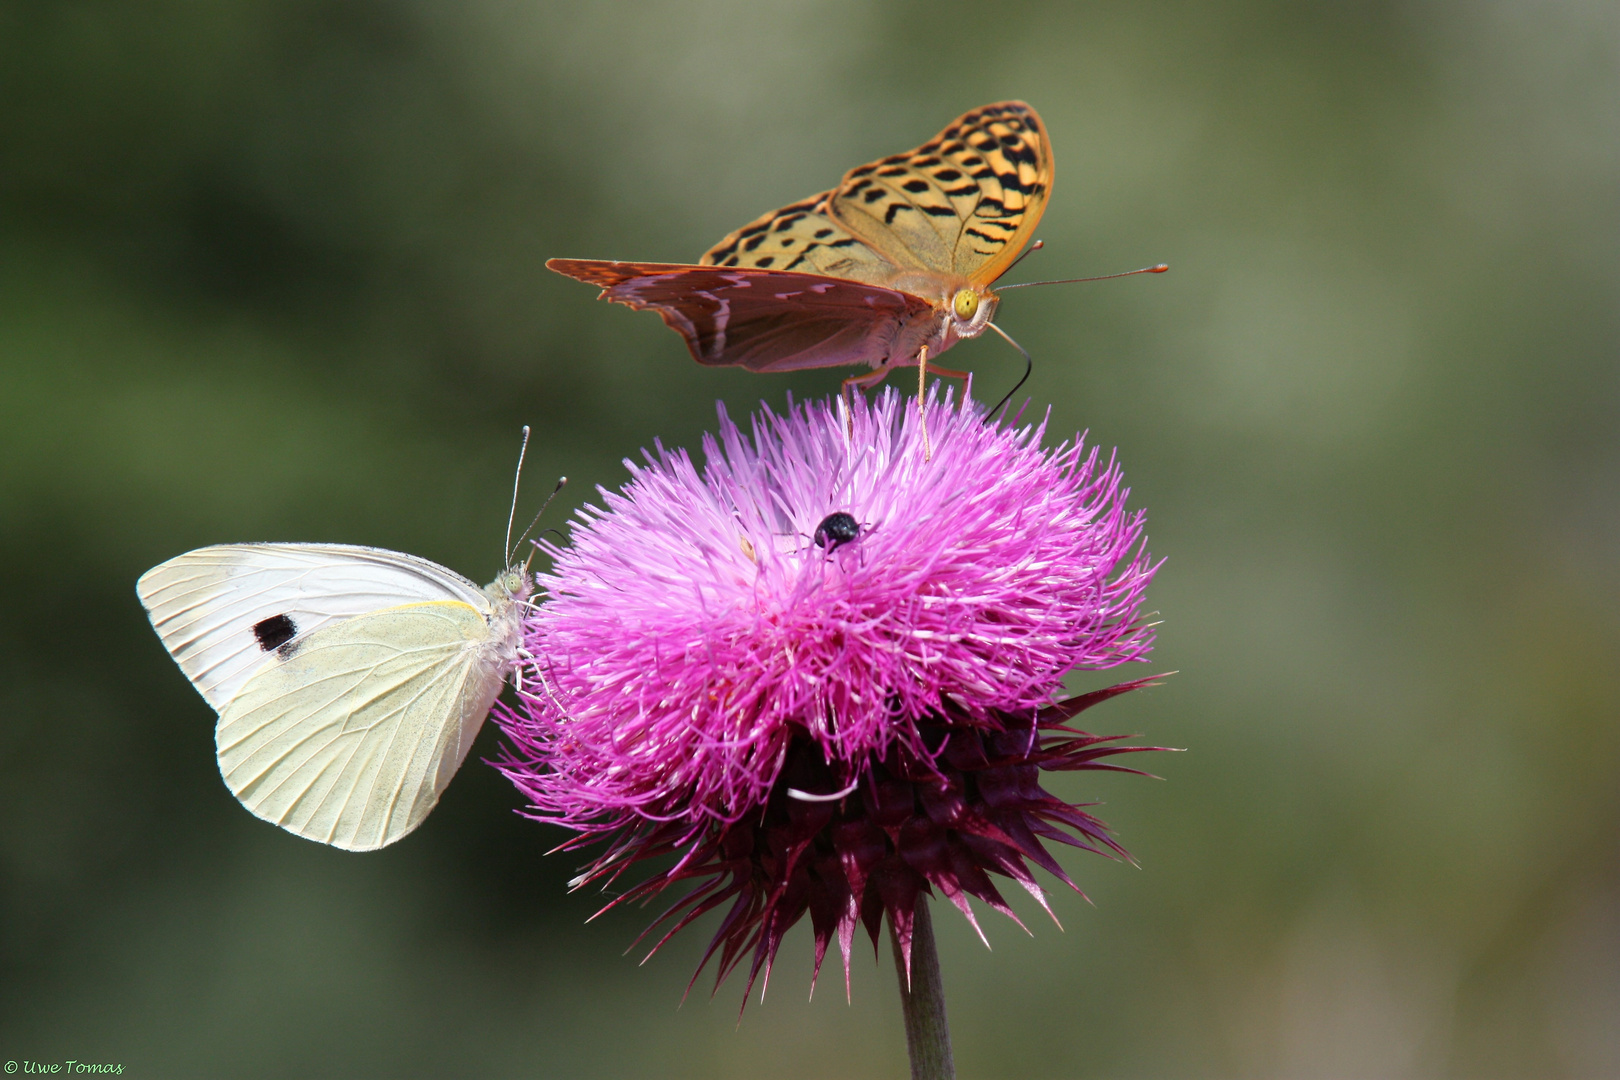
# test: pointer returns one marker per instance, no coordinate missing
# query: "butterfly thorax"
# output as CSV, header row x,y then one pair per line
x,y
508,596
960,309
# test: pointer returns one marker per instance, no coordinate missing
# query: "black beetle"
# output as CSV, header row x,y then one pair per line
x,y
836,530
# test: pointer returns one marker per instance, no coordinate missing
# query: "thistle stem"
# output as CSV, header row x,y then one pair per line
x,y
922,999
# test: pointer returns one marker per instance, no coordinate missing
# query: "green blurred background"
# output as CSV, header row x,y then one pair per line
x,y
274,271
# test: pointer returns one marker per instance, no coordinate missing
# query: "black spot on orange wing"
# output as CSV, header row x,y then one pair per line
x,y
1011,182
1019,151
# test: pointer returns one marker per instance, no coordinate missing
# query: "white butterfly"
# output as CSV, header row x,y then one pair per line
x,y
350,682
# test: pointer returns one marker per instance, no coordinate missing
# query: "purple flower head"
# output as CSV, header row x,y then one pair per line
x,y
823,668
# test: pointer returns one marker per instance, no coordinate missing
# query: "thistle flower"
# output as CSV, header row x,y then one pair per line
x,y
822,671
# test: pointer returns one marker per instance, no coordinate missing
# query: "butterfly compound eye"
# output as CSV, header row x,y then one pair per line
x,y
836,530
966,304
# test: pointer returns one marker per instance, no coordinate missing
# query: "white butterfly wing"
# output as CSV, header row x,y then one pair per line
x,y
206,604
350,739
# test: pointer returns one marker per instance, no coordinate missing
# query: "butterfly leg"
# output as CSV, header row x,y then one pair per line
x,y
922,410
922,380
517,669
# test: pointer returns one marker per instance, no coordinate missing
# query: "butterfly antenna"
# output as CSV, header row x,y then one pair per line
x,y
1156,269
517,478
1032,249
562,482
1029,365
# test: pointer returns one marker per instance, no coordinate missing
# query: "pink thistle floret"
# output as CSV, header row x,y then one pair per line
x,y
705,629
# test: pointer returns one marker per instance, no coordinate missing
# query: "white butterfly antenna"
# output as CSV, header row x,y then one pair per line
x,y
562,482
511,514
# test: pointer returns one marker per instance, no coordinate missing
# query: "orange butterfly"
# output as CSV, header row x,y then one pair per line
x,y
890,268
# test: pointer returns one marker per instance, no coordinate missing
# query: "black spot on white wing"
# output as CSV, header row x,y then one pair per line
x,y
274,632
